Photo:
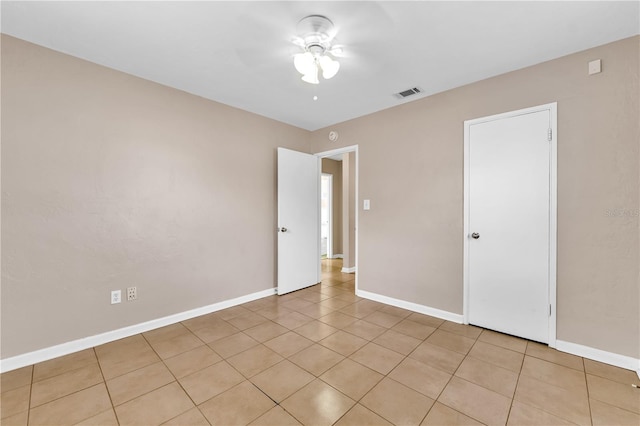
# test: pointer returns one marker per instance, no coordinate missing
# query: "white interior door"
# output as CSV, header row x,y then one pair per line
x,y
298,220
509,224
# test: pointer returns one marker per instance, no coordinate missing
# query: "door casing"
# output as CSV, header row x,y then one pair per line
x,y
553,195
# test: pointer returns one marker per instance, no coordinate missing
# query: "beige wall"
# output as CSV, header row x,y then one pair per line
x,y
334,168
349,209
411,168
110,181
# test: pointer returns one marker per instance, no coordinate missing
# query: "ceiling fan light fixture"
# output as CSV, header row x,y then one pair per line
x,y
304,62
311,76
329,67
315,35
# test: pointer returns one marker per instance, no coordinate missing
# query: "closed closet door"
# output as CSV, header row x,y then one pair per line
x,y
509,224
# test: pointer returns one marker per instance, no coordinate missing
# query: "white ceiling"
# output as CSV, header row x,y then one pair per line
x,y
239,53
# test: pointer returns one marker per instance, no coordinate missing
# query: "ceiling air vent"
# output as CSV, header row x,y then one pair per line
x,y
408,92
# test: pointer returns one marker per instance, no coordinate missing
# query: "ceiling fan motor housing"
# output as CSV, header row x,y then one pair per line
x,y
317,32
317,25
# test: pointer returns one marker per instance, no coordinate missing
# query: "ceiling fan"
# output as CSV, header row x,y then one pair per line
x,y
275,34
316,35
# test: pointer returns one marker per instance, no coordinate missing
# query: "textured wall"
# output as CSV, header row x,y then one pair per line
x,y
334,168
411,167
349,210
110,181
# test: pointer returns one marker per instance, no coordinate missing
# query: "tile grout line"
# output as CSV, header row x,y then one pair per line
x,y
396,366
170,372
104,380
366,393
33,369
222,359
586,384
346,357
453,374
554,385
513,397
62,396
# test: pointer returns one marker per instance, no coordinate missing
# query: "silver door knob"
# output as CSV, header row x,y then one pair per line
x,y
283,229
475,235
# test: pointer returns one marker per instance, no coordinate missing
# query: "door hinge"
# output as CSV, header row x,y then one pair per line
x,y
549,310
549,134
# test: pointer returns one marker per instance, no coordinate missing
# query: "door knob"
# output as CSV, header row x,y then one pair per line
x,y
283,229
475,235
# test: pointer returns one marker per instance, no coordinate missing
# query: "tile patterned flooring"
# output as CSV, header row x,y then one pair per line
x,y
320,356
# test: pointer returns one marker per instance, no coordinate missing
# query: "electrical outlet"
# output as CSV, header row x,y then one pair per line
x,y
132,293
116,297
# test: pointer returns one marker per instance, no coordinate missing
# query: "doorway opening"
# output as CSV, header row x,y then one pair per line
x,y
342,165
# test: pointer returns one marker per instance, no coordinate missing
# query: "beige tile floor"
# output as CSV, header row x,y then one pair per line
x,y
319,356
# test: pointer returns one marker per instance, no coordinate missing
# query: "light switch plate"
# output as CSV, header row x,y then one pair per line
x,y
595,66
366,205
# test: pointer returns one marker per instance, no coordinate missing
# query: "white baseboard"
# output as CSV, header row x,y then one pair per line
x,y
421,309
348,270
622,361
46,354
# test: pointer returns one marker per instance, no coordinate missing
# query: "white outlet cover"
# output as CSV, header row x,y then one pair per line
x,y
116,297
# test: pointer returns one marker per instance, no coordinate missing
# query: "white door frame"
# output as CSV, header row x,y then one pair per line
x,y
344,150
329,176
553,208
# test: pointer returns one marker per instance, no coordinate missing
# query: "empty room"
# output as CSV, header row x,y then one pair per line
x,y
320,213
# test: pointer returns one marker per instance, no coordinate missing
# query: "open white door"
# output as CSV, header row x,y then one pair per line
x,y
298,220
